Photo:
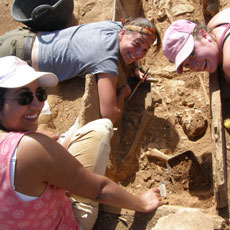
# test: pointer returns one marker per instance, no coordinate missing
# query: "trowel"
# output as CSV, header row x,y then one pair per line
x,y
168,160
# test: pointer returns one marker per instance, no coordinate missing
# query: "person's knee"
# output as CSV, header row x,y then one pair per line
x,y
103,132
104,127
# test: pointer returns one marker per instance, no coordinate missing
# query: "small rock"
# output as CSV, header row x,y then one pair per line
x,y
193,123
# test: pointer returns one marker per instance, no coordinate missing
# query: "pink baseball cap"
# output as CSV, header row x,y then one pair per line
x,y
178,42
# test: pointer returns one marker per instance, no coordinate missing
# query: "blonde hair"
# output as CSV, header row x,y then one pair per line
x,y
200,26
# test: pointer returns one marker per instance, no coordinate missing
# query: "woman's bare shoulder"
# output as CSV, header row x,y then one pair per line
x,y
222,17
36,149
38,144
36,138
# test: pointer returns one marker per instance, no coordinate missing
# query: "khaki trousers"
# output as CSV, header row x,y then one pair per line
x,y
15,43
91,146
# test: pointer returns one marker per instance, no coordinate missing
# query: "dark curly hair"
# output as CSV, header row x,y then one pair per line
x,y
2,102
2,99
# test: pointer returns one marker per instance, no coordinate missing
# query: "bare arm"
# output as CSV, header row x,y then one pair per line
x,y
49,162
226,60
48,133
111,102
114,195
222,17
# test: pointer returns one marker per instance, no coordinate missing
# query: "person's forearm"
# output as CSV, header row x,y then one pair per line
x,y
121,95
227,78
120,101
116,111
115,196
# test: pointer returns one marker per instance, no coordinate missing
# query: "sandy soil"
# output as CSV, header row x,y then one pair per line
x,y
177,121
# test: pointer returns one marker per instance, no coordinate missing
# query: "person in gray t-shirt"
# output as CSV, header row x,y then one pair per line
x,y
93,48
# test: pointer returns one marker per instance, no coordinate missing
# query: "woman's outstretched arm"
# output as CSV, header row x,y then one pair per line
x,y
41,161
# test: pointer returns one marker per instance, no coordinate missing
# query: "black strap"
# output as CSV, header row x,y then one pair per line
x,y
28,46
225,23
225,38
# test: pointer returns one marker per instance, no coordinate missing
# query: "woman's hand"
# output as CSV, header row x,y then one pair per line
x,y
151,200
139,74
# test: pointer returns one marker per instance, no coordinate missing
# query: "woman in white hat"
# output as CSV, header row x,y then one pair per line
x,y
95,48
36,171
197,47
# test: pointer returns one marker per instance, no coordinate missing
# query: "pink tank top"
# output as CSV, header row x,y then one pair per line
x,y
223,37
52,210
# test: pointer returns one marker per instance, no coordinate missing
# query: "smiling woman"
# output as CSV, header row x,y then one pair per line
x,y
93,48
37,173
27,102
21,100
199,47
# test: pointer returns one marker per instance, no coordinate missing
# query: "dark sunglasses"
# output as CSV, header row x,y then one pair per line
x,y
26,98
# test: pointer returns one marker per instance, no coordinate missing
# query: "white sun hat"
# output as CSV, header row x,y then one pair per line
x,y
15,73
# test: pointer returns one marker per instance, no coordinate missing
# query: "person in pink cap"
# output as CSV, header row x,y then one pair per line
x,y
199,47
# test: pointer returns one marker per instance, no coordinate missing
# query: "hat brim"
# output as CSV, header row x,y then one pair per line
x,y
185,51
48,79
45,79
